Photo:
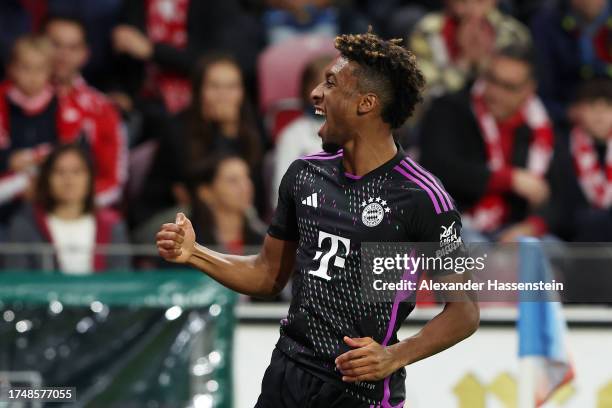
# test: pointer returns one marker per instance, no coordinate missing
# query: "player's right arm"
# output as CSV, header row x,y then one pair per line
x,y
264,274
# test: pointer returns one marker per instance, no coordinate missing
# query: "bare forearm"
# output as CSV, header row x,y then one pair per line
x,y
245,274
455,323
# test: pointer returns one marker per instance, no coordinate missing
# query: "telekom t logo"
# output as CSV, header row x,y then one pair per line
x,y
333,252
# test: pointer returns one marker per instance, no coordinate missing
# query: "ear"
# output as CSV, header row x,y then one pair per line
x,y
367,104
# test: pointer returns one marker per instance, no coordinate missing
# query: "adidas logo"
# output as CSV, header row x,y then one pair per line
x,y
311,200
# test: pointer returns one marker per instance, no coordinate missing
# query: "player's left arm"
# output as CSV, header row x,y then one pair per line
x,y
458,320
370,361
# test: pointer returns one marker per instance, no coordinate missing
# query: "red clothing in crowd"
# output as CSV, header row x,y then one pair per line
x,y
86,112
85,116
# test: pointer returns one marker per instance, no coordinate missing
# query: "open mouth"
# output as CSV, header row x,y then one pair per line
x,y
320,112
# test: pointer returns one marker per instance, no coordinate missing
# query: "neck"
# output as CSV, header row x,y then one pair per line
x,y
229,225
229,129
68,211
65,85
369,149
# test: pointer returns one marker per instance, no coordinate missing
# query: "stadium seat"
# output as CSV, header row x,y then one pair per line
x,y
280,67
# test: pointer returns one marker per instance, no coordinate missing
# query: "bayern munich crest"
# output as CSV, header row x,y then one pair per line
x,y
374,210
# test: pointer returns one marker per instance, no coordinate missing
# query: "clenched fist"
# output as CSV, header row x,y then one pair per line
x,y
176,241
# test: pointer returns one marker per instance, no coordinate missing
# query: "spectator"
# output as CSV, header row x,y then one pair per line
x,y
219,120
572,43
161,40
28,110
64,215
287,18
491,145
222,193
583,165
87,115
20,17
300,137
453,46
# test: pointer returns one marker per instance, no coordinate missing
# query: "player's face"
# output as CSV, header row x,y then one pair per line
x,y
508,85
336,99
69,179
70,49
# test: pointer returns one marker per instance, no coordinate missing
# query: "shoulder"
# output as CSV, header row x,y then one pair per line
x,y
428,192
92,100
316,161
320,159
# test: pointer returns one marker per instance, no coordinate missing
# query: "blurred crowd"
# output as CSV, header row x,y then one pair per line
x,y
116,114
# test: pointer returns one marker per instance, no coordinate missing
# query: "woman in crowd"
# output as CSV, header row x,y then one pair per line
x,y
220,119
222,194
63,215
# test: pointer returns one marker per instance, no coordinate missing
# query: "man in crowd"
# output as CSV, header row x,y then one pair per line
x,y
491,145
454,45
86,115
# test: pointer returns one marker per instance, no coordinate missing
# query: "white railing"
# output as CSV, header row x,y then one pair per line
x,y
47,251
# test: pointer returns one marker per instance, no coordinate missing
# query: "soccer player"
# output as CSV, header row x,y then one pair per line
x,y
335,348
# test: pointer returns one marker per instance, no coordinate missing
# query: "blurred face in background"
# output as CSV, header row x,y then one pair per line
x,y
470,9
30,70
69,181
232,188
508,85
70,49
588,9
222,93
596,118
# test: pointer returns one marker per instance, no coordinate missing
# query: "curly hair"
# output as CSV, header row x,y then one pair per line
x,y
386,69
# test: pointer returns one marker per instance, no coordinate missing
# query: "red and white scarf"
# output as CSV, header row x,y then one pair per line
x,y
166,22
492,210
596,182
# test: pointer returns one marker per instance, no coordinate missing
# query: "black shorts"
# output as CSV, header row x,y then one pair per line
x,y
287,385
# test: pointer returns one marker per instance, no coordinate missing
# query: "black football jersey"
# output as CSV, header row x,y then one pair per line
x,y
331,213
